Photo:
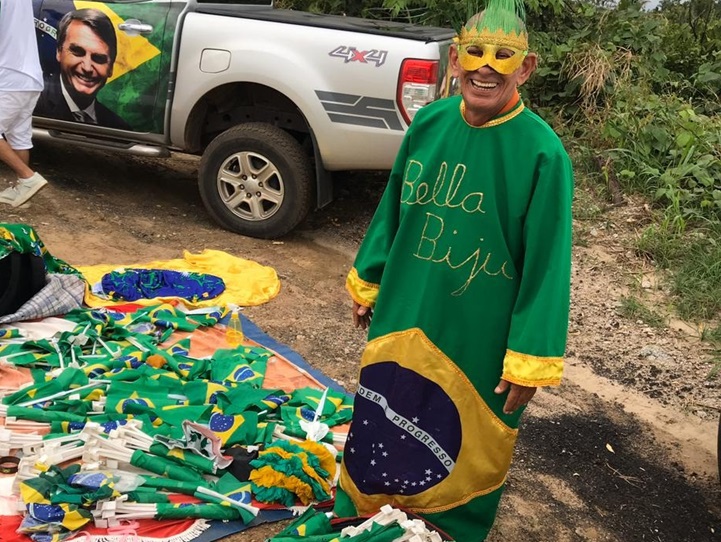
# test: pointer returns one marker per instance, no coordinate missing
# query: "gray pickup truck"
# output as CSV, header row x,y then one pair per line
x,y
273,100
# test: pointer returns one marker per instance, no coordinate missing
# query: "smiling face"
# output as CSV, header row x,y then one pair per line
x,y
85,63
486,91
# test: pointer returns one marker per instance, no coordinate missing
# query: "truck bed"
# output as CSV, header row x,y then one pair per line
x,y
350,24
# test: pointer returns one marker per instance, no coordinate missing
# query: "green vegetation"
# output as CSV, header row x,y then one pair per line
x,y
634,309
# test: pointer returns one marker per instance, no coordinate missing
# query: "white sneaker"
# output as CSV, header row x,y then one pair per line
x,y
9,195
27,188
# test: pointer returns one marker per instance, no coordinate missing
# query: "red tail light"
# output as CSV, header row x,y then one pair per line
x,y
417,86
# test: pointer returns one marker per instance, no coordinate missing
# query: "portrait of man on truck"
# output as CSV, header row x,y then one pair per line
x,y
86,52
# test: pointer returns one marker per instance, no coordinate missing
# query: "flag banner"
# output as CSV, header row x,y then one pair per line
x,y
207,511
165,467
311,526
205,392
44,416
69,378
184,457
245,396
239,429
9,333
146,497
243,364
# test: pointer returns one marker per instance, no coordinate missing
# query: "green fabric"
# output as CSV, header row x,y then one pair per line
x,y
481,219
25,240
206,511
504,15
165,467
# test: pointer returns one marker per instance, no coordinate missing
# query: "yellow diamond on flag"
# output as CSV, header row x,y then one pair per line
x,y
132,50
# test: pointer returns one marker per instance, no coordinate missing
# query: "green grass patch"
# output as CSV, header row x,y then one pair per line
x,y
694,261
634,309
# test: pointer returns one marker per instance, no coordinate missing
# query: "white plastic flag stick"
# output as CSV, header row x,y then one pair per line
x,y
93,384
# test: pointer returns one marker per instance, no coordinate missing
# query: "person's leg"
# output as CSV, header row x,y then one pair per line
x,y
24,155
13,107
19,140
13,159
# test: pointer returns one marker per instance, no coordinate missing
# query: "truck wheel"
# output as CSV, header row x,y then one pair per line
x,y
256,180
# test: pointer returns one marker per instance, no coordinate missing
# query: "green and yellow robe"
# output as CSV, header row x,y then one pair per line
x,y
466,264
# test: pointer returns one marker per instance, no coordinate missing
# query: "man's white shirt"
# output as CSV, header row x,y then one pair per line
x,y
19,61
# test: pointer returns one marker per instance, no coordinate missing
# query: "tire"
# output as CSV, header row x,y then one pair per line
x,y
230,182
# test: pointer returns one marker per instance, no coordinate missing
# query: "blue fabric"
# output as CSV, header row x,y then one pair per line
x,y
254,332
134,284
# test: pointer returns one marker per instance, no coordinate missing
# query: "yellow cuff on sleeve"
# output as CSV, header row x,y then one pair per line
x,y
364,293
532,371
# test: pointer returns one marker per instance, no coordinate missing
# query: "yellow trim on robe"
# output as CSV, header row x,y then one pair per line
x,y
364,293
532,371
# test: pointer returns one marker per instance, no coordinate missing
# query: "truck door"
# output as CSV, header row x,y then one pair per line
x,y
105,63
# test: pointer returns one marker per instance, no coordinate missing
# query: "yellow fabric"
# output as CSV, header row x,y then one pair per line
x,y
362,292
304,461
327,461
266,476
532,371
482,463
29,495
247,283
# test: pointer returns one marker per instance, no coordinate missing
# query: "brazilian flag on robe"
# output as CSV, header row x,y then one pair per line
x,y
66,380
69,517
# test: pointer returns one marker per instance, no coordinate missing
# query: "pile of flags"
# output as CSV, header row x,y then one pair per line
x,y
111,393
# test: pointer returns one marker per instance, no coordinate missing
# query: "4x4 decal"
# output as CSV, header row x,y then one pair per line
x,y
360,110
351,54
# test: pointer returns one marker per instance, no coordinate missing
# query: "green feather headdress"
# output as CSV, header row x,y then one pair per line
x,y
502,23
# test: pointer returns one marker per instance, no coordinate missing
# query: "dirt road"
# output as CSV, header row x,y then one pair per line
x,y
624,450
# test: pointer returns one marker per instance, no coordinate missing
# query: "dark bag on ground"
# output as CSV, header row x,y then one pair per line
x,y
21,277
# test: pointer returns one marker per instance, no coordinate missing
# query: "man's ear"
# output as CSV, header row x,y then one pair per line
x,y
530,63
453,59
57,54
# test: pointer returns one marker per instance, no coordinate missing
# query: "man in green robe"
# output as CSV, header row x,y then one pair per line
x,y
466,271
